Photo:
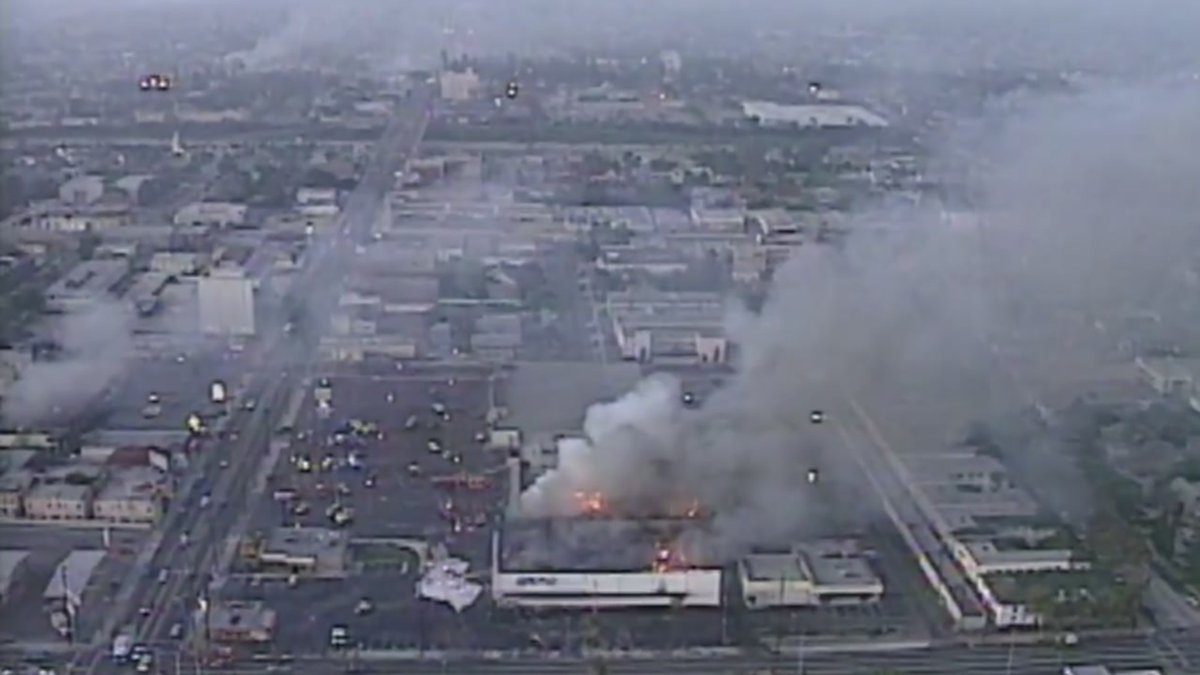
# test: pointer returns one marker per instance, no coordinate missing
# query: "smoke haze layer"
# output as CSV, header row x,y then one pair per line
x,y
95,348
931,318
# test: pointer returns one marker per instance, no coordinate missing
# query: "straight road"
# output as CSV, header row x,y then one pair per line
x,y
192,563
191,535
1173,652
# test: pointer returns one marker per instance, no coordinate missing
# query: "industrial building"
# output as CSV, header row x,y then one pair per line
x,y
70,578
12,570
145,292
825,115
85,284
84,490
55,497
313,551
993,528
81,190
14,485
600,563
226,300
675,326
317,202
219,214
132,495
240,622
811,574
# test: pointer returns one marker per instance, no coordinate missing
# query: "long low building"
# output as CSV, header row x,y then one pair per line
x,y
87,282
598,563
71,577
811,574
12,570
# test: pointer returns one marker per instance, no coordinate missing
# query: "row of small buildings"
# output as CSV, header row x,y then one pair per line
x,y
606,562
121,488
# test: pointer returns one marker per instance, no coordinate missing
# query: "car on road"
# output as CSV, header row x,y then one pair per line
x,y
364,606
339,637
153,406
176,631
411,423
164,575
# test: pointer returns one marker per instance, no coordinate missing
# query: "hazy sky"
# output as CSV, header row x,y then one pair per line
x,y
1115,34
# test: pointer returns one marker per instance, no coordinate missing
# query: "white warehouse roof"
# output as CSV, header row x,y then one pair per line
x,y
823,115
72,575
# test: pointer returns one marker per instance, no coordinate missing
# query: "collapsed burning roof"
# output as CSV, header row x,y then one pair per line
x,y
601,544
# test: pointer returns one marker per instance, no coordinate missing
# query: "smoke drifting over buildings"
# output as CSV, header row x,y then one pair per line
x,y
1088,213
95,348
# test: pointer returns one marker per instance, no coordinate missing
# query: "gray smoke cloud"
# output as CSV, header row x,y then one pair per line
x,y
930,319
96,346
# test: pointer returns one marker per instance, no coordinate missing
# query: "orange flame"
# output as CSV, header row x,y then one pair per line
x,y
591,503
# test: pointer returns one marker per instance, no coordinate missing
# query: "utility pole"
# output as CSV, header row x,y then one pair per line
x,y
68,605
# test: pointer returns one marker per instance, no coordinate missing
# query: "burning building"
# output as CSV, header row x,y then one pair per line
x,y
599,561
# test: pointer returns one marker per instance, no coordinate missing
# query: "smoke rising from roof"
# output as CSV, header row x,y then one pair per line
x,y
1088,213
96,345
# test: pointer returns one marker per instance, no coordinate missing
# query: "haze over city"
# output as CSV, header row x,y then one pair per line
x,y
540,335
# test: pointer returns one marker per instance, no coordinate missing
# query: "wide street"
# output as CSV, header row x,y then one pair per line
x,y
1174,652
188,549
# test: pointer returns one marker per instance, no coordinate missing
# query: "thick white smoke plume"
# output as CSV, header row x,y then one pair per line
x,y
1088,214
95,347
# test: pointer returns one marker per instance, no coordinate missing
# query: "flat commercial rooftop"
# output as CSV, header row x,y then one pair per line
x,y
10,562
73,574
776,567
595,544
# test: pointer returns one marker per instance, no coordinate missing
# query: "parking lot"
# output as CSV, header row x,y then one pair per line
x,y
382,453
377,451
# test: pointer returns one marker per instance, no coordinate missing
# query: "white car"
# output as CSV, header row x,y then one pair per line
x,y
434,445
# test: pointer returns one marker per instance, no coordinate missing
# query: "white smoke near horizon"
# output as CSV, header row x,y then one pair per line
x,y
96,345
1088,213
